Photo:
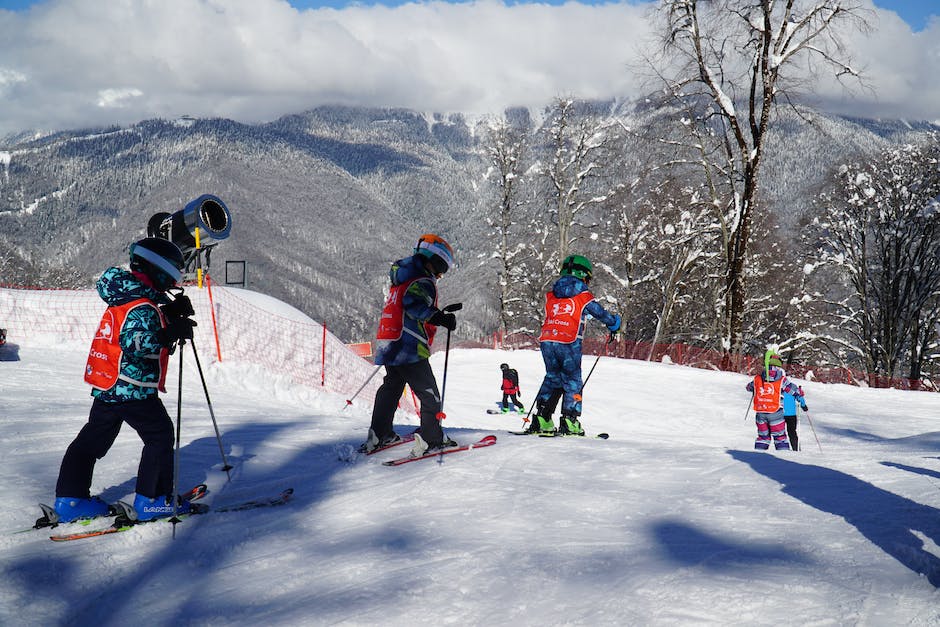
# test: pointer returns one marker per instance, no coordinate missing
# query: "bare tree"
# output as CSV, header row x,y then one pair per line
x,y
729,63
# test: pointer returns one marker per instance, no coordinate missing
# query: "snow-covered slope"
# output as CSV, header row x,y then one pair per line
x,y
674,520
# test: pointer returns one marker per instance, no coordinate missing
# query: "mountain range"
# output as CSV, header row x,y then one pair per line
x,y
321,201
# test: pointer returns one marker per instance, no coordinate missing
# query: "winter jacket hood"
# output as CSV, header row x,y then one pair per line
x,y
567,286
408,269
117,286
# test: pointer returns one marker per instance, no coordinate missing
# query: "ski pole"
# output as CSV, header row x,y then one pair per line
x,y
449,308
176,451
749,403
806,413
525,420
350,400
610,339
218,438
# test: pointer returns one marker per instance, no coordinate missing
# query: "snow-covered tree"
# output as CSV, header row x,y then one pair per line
x,y
728,63
506,145
881,232
577,153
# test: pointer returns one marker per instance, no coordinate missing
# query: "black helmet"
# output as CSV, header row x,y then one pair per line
x,y
504,366
160,259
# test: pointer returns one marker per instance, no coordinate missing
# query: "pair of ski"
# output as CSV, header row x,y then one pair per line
x,y
500,411
488,440
555,434
125,515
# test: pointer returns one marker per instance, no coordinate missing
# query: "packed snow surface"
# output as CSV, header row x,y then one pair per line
x,y
675,520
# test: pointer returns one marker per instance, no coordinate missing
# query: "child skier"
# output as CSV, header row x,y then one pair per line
x,y
789,415
510,388
566,306
767,388
127,367
406,331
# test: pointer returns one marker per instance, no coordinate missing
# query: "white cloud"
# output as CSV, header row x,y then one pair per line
x,y
115,98
254,60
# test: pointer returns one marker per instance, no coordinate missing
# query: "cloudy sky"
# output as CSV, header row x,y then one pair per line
x,y
76,63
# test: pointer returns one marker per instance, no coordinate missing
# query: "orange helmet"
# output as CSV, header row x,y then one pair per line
x,y
437,250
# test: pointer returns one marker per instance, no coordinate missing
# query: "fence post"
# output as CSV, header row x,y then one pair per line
x,y
323,359
215,326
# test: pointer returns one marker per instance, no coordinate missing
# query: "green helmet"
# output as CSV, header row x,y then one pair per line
x,y
577,266
771,358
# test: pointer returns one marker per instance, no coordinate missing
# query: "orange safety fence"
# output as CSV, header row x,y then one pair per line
x,y
238,326
698,357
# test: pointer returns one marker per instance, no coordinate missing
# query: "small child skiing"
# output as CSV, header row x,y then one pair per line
x,y
789,415
126,368
406,331
510,388
568,305
768,388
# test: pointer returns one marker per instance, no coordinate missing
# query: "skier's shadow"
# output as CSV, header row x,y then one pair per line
x,y
689,546
886,519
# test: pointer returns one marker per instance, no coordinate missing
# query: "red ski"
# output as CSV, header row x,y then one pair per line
x,y
489,440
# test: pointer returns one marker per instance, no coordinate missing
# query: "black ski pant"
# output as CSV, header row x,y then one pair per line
x,y
791,432
515,401
420,378
149,419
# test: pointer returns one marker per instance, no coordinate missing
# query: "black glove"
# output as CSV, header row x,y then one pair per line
x,y
804,407
179,307
175,330
446,320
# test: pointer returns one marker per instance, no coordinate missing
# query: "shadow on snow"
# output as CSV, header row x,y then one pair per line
x,y
886,519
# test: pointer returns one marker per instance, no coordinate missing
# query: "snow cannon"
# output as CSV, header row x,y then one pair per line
x,y
196,228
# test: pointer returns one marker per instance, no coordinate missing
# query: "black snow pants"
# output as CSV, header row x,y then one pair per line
x,y
149,419
420,378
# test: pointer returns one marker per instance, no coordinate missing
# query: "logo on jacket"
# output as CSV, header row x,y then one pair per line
x,y
106,329
565,307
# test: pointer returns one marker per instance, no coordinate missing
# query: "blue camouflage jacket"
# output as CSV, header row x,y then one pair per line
x,y
138,337
419,304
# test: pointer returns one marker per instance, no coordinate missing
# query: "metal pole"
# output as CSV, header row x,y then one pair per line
x,y
176,452
749,403
350,400
449,308
610,339
225,465
806,413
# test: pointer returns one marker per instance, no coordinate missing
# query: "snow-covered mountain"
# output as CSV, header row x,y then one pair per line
x,y
322,201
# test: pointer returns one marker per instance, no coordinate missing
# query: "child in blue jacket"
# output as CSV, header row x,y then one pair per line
x,y
567,307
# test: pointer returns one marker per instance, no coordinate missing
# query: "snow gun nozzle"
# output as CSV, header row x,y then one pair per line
x,y
201,224
453,307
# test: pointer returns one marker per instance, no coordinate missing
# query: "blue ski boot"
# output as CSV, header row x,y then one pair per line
x,y
69,508
158,507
